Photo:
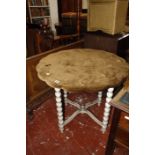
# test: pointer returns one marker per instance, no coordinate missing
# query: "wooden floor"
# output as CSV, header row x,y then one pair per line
x,y
82,136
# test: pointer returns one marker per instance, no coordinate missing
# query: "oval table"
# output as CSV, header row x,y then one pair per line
x,y
82,70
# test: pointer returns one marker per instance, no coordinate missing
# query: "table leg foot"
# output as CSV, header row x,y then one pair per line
x,y
103,130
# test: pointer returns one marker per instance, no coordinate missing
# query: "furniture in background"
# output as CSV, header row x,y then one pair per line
x,y
60,40
38,10
39,38
118,43
82,70
68,24
65,6
72,18
107,15
119,134
32,41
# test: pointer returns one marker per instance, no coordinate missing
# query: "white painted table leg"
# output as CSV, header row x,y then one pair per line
x,y
59,109
65,97
107,109
99,98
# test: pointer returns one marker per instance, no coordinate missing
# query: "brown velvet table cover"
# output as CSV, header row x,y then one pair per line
x,y
85,70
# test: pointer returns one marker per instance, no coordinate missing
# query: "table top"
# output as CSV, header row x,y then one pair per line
x,y
87,70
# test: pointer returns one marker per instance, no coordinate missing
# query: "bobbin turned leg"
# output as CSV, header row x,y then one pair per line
x,y
65,97
59,109
99,98
107,109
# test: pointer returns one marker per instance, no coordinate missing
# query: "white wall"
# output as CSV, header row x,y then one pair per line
x,y
54,13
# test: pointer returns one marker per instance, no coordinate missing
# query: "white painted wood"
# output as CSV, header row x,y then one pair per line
x,y
107,109
99,98
65,97
59,109
82,109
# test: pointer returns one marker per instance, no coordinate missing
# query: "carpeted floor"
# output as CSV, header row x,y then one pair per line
x,y
82,136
